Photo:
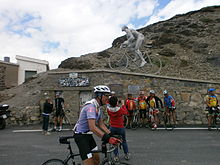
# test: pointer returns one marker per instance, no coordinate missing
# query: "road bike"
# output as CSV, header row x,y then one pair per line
x,y
66,121
215,118
135,119
107,150
123,59
168,124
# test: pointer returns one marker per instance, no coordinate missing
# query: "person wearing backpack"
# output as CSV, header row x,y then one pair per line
x,y
131,107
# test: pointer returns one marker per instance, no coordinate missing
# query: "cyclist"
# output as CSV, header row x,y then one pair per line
x,y
169,104
89,122
133,42
116,115
131,107
212,106
153,104
142,105
59,114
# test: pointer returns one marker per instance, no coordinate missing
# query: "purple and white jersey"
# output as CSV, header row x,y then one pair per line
x,y
89,111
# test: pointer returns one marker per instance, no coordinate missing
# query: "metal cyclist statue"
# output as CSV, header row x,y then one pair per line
x,y
133,42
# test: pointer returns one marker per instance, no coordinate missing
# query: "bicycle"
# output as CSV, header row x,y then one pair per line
x,y
135,119
215,119
151,119
124,60
66,120
169,126
107,150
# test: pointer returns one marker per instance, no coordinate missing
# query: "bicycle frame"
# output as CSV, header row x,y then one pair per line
x,y
107,150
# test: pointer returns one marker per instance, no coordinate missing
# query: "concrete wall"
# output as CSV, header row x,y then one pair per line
x,y
8,75
29,64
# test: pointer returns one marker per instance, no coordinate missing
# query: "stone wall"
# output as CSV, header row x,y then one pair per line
x,y
2,77
188,94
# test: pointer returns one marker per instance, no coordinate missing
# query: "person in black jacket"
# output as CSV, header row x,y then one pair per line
x,y
47,109
154,104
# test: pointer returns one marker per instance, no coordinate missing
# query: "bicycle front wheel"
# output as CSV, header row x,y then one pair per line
x,y
118,61
54,162
125,121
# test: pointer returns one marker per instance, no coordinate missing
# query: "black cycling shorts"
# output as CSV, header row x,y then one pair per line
x,y
59,113
143,113
86,144
212,112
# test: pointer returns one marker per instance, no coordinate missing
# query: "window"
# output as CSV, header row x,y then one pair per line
x,y
29,74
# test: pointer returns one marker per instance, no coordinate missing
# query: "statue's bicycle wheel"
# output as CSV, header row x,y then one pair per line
x,y
153,65
118,61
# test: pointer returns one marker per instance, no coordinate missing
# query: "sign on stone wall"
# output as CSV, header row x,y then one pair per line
x,y
74,82
133,89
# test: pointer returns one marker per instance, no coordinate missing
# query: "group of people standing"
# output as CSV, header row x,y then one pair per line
x,y
149,108
48,108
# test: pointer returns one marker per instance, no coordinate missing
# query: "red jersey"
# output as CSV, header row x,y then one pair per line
x,y
116,115
130,104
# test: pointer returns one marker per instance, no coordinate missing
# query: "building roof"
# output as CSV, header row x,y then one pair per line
x,y
8,63
34,60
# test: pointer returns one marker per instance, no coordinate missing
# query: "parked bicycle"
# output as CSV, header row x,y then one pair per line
x,y
135,119
123,59
215,118
66,121
168,123
107,150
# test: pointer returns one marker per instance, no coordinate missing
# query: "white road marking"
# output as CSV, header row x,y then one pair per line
x,y
180,128
34,130
189,128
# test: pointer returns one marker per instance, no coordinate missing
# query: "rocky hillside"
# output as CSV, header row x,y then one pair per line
x,y
188,46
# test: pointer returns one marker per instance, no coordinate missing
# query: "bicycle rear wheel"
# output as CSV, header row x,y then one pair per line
x,y
66,121
118,61
54,162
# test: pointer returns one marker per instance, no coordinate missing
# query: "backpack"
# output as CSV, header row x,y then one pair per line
x,y
130,105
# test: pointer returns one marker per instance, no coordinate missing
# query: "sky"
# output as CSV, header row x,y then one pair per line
x,y
54,30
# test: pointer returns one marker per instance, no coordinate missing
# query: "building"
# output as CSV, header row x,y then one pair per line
x,y
29,67
8,74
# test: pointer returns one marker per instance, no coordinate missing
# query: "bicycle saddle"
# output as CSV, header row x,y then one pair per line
x,y
64,139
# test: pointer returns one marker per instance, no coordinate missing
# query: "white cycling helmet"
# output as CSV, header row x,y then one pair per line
x,y
165,92
124,27
152,91
101,89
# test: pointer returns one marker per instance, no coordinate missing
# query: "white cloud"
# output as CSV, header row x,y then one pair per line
x,y
80,27
180,7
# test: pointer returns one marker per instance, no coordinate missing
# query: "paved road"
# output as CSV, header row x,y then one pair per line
x,y
178,147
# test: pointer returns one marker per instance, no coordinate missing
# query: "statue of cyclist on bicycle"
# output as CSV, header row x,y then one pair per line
x,y
133,42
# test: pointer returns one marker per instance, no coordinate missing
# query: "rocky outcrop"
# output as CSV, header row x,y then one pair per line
x,y
187,44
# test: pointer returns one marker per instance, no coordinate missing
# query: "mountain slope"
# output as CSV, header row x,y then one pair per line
x,y
188,46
